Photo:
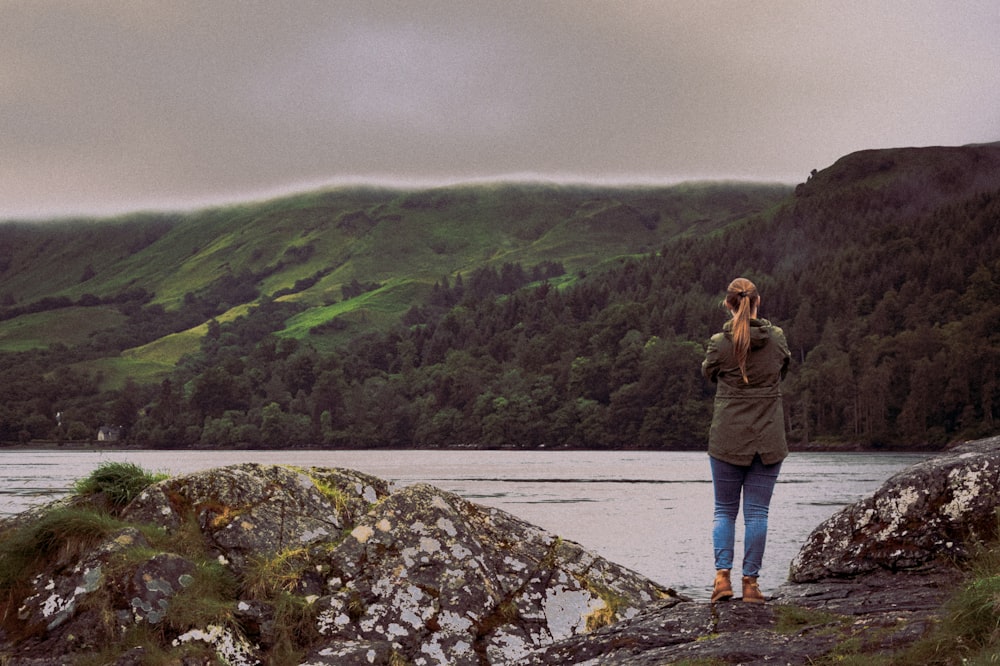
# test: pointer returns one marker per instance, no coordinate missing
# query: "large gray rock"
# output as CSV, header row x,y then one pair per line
x,y
923,518
799,631
440,580
420,575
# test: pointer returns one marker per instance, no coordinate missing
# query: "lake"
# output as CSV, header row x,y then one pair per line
x,y
649,511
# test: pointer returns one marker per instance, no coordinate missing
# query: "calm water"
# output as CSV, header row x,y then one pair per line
x,y
649,511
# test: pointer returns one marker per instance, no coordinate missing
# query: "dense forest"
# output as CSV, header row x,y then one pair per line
x,y
883,269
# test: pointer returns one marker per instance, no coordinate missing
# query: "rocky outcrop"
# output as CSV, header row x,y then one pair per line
x,y
460,583
267,564
247,561
796,626
923,518
873,576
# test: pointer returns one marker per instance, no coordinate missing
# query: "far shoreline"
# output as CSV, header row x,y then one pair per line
x,y
810,447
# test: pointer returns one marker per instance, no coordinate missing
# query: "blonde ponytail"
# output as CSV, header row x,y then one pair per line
x,y
742,299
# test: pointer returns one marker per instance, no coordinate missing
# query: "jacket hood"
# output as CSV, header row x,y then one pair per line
x,y
760,332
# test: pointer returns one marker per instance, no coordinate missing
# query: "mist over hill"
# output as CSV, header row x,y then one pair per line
x,y
360,256
512,315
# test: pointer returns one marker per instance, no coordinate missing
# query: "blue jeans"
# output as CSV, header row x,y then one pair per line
x,y
756,484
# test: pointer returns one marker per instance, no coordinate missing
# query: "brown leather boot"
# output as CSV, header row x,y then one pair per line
x,y
723,588
751,591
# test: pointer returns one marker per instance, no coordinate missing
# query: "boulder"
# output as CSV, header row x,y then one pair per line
x,y
923,518
328,559
440,580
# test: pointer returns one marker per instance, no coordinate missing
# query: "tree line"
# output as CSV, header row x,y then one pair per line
x,y
888,298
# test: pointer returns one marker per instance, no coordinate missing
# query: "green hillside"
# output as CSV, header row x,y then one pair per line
x,y
515,315
304,249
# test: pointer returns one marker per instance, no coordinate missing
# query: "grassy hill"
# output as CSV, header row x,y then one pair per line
x,y
531,315
57,278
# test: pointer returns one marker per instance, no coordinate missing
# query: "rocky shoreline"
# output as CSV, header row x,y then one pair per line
x,y
327,566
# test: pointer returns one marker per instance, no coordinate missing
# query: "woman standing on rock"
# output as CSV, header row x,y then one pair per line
x,y
746,442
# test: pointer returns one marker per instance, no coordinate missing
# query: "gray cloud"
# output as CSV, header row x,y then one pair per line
x,y
114,106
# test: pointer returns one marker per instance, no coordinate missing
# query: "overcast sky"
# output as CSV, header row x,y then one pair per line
x,y
108,107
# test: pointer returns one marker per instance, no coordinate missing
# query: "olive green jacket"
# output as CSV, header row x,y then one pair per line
x,y
748,418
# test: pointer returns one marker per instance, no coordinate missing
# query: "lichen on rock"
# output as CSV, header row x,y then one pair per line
x,y
923,517
466,582
330,561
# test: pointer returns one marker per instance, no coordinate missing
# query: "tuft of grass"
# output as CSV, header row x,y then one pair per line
x,y
397,659
66,532
186,540
145,643
274,580
209,600
295,629
976,610
62,534
338,498
793,619
58,536
972,624
968,633
118,482
267,576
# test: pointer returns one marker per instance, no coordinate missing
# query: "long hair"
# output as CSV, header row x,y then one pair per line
x,y
742,299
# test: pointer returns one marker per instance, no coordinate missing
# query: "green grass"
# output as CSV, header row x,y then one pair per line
x,y
972,623
337,497
209,599
115,372
968,633
58,534
150,363
67,326
295,625
61,536
118,482
374,310
793,619
55,258
282,572
64,532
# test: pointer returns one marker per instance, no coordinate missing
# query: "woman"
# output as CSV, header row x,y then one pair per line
x,y
746,442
